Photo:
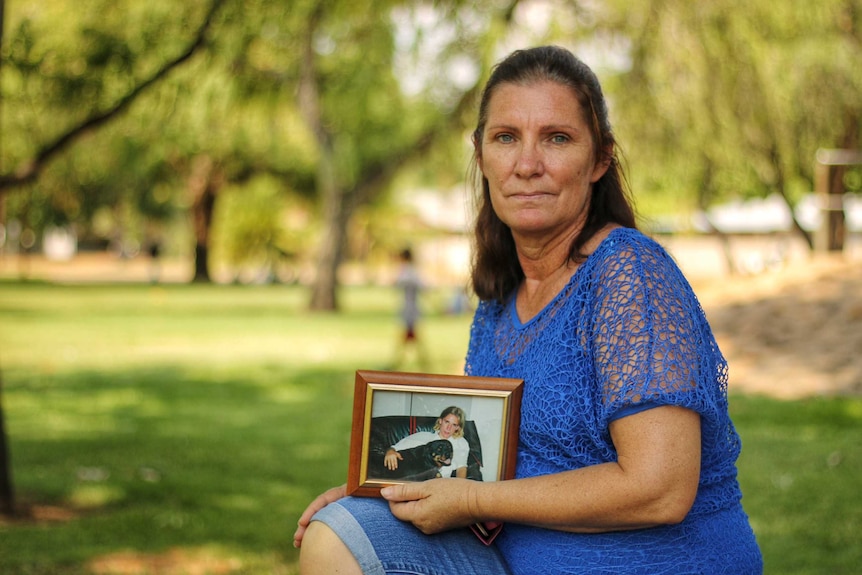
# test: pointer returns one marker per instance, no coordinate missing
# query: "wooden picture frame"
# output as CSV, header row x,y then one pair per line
x,y
389,406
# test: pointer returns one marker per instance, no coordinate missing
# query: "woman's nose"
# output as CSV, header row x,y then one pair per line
x,y
529,161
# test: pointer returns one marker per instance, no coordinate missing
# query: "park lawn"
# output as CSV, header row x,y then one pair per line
x,y
800,472
192,423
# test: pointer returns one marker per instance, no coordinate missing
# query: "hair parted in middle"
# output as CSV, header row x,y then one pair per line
x,y
496,271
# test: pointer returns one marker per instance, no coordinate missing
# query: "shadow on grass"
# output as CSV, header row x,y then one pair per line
x,y
156,459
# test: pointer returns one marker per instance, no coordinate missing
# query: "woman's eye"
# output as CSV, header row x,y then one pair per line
x,y
505,138
559,138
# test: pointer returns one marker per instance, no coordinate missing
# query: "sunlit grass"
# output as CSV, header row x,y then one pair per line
x,y
193,423
800,468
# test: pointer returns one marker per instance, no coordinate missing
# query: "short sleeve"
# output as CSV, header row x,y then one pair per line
x,y
645,332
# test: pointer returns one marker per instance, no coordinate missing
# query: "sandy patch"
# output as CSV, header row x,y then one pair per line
x,y
791,332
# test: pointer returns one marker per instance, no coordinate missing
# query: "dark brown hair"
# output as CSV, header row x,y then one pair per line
x,y
496,270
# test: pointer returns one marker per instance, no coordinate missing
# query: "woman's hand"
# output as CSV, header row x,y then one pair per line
x,y
319,503
391,459
434,505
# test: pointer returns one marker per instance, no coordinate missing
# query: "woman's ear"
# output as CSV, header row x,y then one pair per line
x,y
603,162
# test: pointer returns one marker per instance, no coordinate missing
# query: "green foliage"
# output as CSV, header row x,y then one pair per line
x,y
65,63
261,225
710,101
728,100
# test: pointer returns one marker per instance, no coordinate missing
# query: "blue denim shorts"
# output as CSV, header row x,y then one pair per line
x,y
382,544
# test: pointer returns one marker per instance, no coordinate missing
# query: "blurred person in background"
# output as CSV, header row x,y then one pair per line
x,y
410,284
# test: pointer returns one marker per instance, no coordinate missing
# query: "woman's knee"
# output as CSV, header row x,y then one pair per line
x,y
323,551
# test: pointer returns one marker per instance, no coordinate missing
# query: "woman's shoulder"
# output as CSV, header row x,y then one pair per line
x,y
626,247
487,310
621,239
629,257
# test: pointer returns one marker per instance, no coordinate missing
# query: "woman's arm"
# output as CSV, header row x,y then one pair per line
x,y
392,455
391,459
653,482
415,440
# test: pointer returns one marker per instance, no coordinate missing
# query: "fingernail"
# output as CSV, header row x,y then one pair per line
x,y
386,491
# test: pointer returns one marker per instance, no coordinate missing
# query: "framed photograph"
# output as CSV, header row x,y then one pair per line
x,y
417,426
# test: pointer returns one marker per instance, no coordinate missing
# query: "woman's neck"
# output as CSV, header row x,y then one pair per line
x,y
547,270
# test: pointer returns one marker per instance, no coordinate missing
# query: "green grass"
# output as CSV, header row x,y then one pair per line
x,y
204,418
801,474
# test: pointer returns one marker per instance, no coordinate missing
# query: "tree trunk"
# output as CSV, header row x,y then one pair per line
x,y
7,495
704,194
339,204
336,214
204,183
323,291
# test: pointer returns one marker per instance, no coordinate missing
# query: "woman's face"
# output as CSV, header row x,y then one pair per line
x,y
449,425
538,156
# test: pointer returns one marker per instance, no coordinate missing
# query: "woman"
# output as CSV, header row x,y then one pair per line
x,y
449,426
626,454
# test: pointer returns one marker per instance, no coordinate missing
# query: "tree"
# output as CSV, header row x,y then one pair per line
x,y
28,170
362,126
727,100
720,82
102,71
385,124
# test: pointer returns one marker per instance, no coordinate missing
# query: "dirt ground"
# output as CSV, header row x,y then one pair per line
x,y
789,322
791,332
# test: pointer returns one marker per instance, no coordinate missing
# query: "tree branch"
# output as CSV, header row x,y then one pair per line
x,y
29,170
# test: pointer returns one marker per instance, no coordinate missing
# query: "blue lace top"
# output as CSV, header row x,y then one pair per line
x,y
626,334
